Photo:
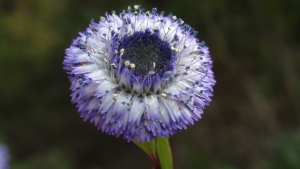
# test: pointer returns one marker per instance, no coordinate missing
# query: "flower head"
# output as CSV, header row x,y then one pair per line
x,y
140,74
4,157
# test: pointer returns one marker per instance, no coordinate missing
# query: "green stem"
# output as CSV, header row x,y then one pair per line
x,y
155,162
150,149
159,151
164,153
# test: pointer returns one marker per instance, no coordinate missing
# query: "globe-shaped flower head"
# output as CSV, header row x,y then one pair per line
x,y
4,159
140,74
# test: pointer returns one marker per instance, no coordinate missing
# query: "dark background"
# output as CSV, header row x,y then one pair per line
x,y
252,122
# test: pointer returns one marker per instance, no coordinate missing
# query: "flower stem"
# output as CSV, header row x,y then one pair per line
x,y
159,151
155,161
150,149
164,154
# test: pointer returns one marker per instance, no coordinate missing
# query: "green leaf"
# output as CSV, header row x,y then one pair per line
x,y
148,147
164,153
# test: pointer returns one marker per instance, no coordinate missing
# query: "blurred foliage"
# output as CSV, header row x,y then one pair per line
x,y
288,155
253,121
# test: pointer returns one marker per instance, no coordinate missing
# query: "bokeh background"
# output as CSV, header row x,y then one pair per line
x,y
253,121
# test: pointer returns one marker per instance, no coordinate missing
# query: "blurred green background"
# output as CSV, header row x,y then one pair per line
x,y
253,121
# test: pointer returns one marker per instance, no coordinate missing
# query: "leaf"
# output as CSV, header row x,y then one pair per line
x,y
148,147
164,153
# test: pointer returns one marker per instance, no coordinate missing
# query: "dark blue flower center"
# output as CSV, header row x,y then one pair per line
x,y
148,52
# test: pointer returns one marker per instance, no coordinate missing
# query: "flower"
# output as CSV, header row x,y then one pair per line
x,y
4,157
140,74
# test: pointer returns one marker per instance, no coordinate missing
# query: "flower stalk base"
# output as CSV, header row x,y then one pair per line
x,y
159,151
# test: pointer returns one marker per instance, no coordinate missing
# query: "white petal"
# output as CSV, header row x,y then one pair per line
x,y
173,109
164,114
152,107
98,75
186,114
106,102
104,87
121,106
85,69
92,104
137,110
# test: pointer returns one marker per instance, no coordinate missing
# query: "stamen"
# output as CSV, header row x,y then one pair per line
x,y
148,13
136,7
113,13
132,65
121,52
151,72
127,63
102,18
164,94
113,65
105,60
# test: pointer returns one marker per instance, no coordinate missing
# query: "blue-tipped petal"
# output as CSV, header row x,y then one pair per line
x,y
137,110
